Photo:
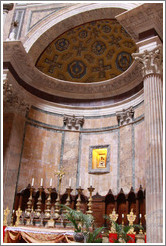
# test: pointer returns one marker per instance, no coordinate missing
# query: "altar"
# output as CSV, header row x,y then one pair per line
x,y
33,234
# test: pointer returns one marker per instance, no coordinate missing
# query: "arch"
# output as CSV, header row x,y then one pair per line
x,y
55,24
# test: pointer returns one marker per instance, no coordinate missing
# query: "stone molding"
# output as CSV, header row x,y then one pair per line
x,y
12,101
73,122
125,116
143,18
152,61
15,55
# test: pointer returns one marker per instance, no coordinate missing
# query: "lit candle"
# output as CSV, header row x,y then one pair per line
x,y
90,181
122,216
70,182
50,182
32,181
80,182
41,184
140,216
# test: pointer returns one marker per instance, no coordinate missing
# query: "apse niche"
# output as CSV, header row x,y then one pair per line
x,y
92,52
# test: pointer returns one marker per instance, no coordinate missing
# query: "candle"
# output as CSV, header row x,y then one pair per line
x,y
50,182
80,182
122,216
32,181
41,184
140,216
90,181
70,182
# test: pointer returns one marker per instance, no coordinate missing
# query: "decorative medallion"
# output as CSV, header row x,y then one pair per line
x,y
123,61
98,47
77,69
62,44
92,52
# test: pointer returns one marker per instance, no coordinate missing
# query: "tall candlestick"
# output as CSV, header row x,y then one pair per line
x,y
122,215
70,182
50,182
41,184
32,181
80,182
90,181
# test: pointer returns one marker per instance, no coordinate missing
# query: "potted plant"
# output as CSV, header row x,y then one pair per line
x,y
83,224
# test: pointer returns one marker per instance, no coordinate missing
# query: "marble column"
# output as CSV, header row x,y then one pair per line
x,y
151,61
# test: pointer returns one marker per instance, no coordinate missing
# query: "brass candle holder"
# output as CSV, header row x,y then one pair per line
x,y
48,204
79,190
90,189
39,203
57,207
69,190
29,203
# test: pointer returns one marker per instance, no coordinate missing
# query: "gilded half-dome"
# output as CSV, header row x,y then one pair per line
x,y
93,52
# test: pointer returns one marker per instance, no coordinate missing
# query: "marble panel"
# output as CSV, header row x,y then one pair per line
x,y
40,157
125,149
139,110
101,182
70,159
100,122
45,117
140,157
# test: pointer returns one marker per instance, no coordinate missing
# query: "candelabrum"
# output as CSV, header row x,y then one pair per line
x,y
39,203
29,203
48,204
69,190
79,190
90,189
57,207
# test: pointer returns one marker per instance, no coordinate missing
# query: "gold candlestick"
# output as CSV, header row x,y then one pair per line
x,y
6,213
69,190
48,204
90,189
79,189
18,214
39,203
29,203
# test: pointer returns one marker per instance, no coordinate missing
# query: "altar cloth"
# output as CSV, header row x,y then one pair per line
x,y
34,234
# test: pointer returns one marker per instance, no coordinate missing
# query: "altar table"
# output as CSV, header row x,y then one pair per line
x,y
32,234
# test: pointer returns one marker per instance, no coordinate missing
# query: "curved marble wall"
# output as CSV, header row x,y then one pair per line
x,y
47,145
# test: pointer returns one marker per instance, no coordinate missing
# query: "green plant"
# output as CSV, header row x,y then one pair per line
x,y
93,237
81,222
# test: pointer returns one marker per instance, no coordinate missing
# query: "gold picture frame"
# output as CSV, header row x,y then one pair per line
x,y
99,159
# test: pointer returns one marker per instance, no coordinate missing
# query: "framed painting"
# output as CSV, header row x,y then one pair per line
x,y
99,159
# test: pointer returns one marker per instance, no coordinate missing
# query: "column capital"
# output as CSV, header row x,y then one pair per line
x,y
151,60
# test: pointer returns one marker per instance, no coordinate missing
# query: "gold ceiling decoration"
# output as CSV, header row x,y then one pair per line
x,y
93,52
